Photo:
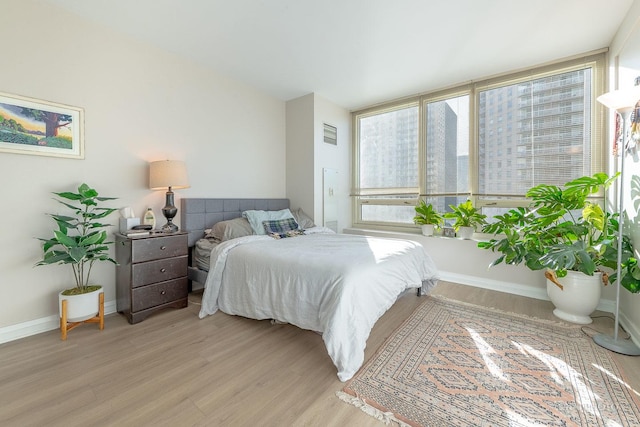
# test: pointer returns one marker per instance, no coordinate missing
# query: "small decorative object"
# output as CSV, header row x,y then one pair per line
x,y
168,174
150,218
79,241
427,217
467,218
128,221
448,232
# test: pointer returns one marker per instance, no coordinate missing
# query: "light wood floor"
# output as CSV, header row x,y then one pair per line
x,y
174,369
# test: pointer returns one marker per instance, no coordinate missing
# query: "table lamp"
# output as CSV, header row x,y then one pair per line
x,y
168,174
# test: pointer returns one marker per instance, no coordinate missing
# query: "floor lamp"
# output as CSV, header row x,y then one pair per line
x,y
622,101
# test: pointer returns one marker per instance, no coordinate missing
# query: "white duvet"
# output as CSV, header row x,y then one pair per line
x,y
335,284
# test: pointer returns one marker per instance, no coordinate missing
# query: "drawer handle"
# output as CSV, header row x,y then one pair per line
x,y
162,270
162,248
163,292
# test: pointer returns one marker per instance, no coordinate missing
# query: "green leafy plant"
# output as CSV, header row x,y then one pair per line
x,y
80,240
466,215
562,230
426,214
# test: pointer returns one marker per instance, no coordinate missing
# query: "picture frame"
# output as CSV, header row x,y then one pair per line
x,y
448,232
42,128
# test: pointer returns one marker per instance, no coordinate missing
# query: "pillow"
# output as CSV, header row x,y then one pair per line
x,y
230,229
255,218
279,225
303,220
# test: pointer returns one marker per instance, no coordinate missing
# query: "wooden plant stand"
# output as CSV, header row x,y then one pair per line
x,y
65,327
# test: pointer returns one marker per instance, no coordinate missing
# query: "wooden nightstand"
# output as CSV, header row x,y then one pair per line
x,y
151,274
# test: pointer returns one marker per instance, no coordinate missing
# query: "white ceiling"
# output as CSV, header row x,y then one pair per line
x,y
360,52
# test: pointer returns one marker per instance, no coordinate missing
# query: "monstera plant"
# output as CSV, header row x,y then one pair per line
x,y
562,231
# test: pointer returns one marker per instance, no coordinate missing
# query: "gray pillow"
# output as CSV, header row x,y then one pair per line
x,y
304,221
231,229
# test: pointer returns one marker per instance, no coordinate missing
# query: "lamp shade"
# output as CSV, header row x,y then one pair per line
x,y
168,173
621,99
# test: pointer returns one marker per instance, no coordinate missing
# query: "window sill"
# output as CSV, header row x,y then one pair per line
x,y
477,237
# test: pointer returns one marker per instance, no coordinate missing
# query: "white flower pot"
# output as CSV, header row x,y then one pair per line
x,y
578,299
465,232
81,307
427,229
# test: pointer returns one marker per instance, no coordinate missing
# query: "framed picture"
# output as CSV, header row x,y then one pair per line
x,y
32,126
448,232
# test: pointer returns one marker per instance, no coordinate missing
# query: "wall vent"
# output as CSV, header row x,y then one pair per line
x,y
330,134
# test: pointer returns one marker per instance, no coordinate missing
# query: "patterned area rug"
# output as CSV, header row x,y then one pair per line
x,y
455,364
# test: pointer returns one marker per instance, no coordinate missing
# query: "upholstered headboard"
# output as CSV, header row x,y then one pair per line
x,y
196,215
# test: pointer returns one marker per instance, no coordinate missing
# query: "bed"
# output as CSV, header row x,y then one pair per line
x,y
335,284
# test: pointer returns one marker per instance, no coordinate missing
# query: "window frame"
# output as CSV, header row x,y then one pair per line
x,y
597,61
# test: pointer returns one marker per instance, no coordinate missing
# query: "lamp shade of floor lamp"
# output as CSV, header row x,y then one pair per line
x,y
622,101
168,174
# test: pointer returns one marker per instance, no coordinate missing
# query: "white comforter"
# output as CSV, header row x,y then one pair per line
x,y
335,284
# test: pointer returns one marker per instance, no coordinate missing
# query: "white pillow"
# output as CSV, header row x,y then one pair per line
x,y
255,218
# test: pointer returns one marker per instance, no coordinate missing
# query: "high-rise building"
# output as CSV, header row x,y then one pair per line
x,y
442,160
534,132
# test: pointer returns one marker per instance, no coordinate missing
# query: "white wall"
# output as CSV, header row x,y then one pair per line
x,y
461,261
141,104
299,162
308,155
337,157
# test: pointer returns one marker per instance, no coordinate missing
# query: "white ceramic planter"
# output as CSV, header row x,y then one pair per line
x,y
80,307
465,232
578,299
427,229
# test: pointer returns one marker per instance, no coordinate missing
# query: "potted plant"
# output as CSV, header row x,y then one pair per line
x,y
467,219
427,217
570,237
79,241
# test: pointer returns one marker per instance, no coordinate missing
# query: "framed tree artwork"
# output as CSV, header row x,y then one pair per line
x,y
32,126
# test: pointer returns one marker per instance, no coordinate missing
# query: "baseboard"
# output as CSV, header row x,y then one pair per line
x,y
37,326
632,329
495,285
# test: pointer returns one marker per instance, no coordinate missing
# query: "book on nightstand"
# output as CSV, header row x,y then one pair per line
x,y
136,233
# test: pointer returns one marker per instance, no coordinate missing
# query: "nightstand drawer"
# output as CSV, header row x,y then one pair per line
x,y
159,293
158,247
158,271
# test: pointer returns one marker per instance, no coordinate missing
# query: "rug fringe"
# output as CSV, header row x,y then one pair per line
x,y
386,417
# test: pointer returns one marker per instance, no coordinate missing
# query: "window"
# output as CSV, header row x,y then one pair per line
x,y
447,151
552,118
489,141
388,164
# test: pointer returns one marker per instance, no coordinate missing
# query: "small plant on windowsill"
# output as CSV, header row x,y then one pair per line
x,y
427,217
466,218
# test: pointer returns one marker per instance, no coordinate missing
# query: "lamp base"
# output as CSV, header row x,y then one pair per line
x,y
169,211
169,227
626,347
